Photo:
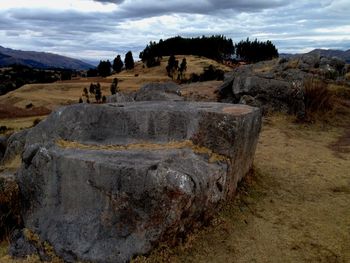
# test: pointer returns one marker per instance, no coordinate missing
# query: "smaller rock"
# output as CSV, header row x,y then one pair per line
x,y
250,101
120,98
308,61
15,145
168,91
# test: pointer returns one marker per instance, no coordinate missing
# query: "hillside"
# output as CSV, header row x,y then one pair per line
x,y
67,92
345,55
40,60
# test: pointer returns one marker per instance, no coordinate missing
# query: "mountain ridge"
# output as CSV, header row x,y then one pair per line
x,y
42,60
342,54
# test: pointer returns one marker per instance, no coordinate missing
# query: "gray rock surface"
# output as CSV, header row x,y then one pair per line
x,y
15,145
168,91
277,85
120,98
263,90
102,183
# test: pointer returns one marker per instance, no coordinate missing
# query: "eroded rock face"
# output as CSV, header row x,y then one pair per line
x,y
14,146
102,183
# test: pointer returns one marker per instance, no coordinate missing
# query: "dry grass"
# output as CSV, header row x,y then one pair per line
x,y
347,76
213,157
17,124
318,98
292,64
339,90
11,165
266,66
61,93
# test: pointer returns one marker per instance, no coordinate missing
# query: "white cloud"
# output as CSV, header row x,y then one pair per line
x,y
77,5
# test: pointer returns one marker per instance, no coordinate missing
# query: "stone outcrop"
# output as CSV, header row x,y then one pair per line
x,y
120,98
102,183
278,85
14,146
168,91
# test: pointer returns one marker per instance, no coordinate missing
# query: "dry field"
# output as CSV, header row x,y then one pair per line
x,y
50,96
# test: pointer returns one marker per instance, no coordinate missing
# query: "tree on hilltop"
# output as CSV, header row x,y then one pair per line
x,y
118,64
104,68
129,61
254,51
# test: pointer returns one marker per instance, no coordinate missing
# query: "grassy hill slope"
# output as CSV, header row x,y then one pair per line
x,y
60,93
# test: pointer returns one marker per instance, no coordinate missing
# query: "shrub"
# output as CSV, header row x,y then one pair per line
x,y
36,122
3,129
114,86
30,105
317,97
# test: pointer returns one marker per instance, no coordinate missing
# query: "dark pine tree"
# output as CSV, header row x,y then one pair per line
x,y
118,64
129,61
104,68
171,65
114,86
98,92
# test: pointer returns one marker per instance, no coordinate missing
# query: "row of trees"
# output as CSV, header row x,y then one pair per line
x,y
254,51
105,68
215,47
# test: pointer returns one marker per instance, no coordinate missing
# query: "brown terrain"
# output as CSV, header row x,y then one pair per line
x,y
294,206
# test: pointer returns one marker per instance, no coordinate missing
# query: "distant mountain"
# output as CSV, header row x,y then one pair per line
x,y
345,55
40,60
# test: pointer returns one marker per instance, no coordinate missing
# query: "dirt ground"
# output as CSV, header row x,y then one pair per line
x,y
294,208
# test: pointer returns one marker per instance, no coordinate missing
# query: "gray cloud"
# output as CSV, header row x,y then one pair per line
x,y
110,1
294,27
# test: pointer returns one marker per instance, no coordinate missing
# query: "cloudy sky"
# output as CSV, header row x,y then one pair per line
x,y
100,29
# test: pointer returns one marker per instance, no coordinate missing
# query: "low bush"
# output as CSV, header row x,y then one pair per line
x,y
318,99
